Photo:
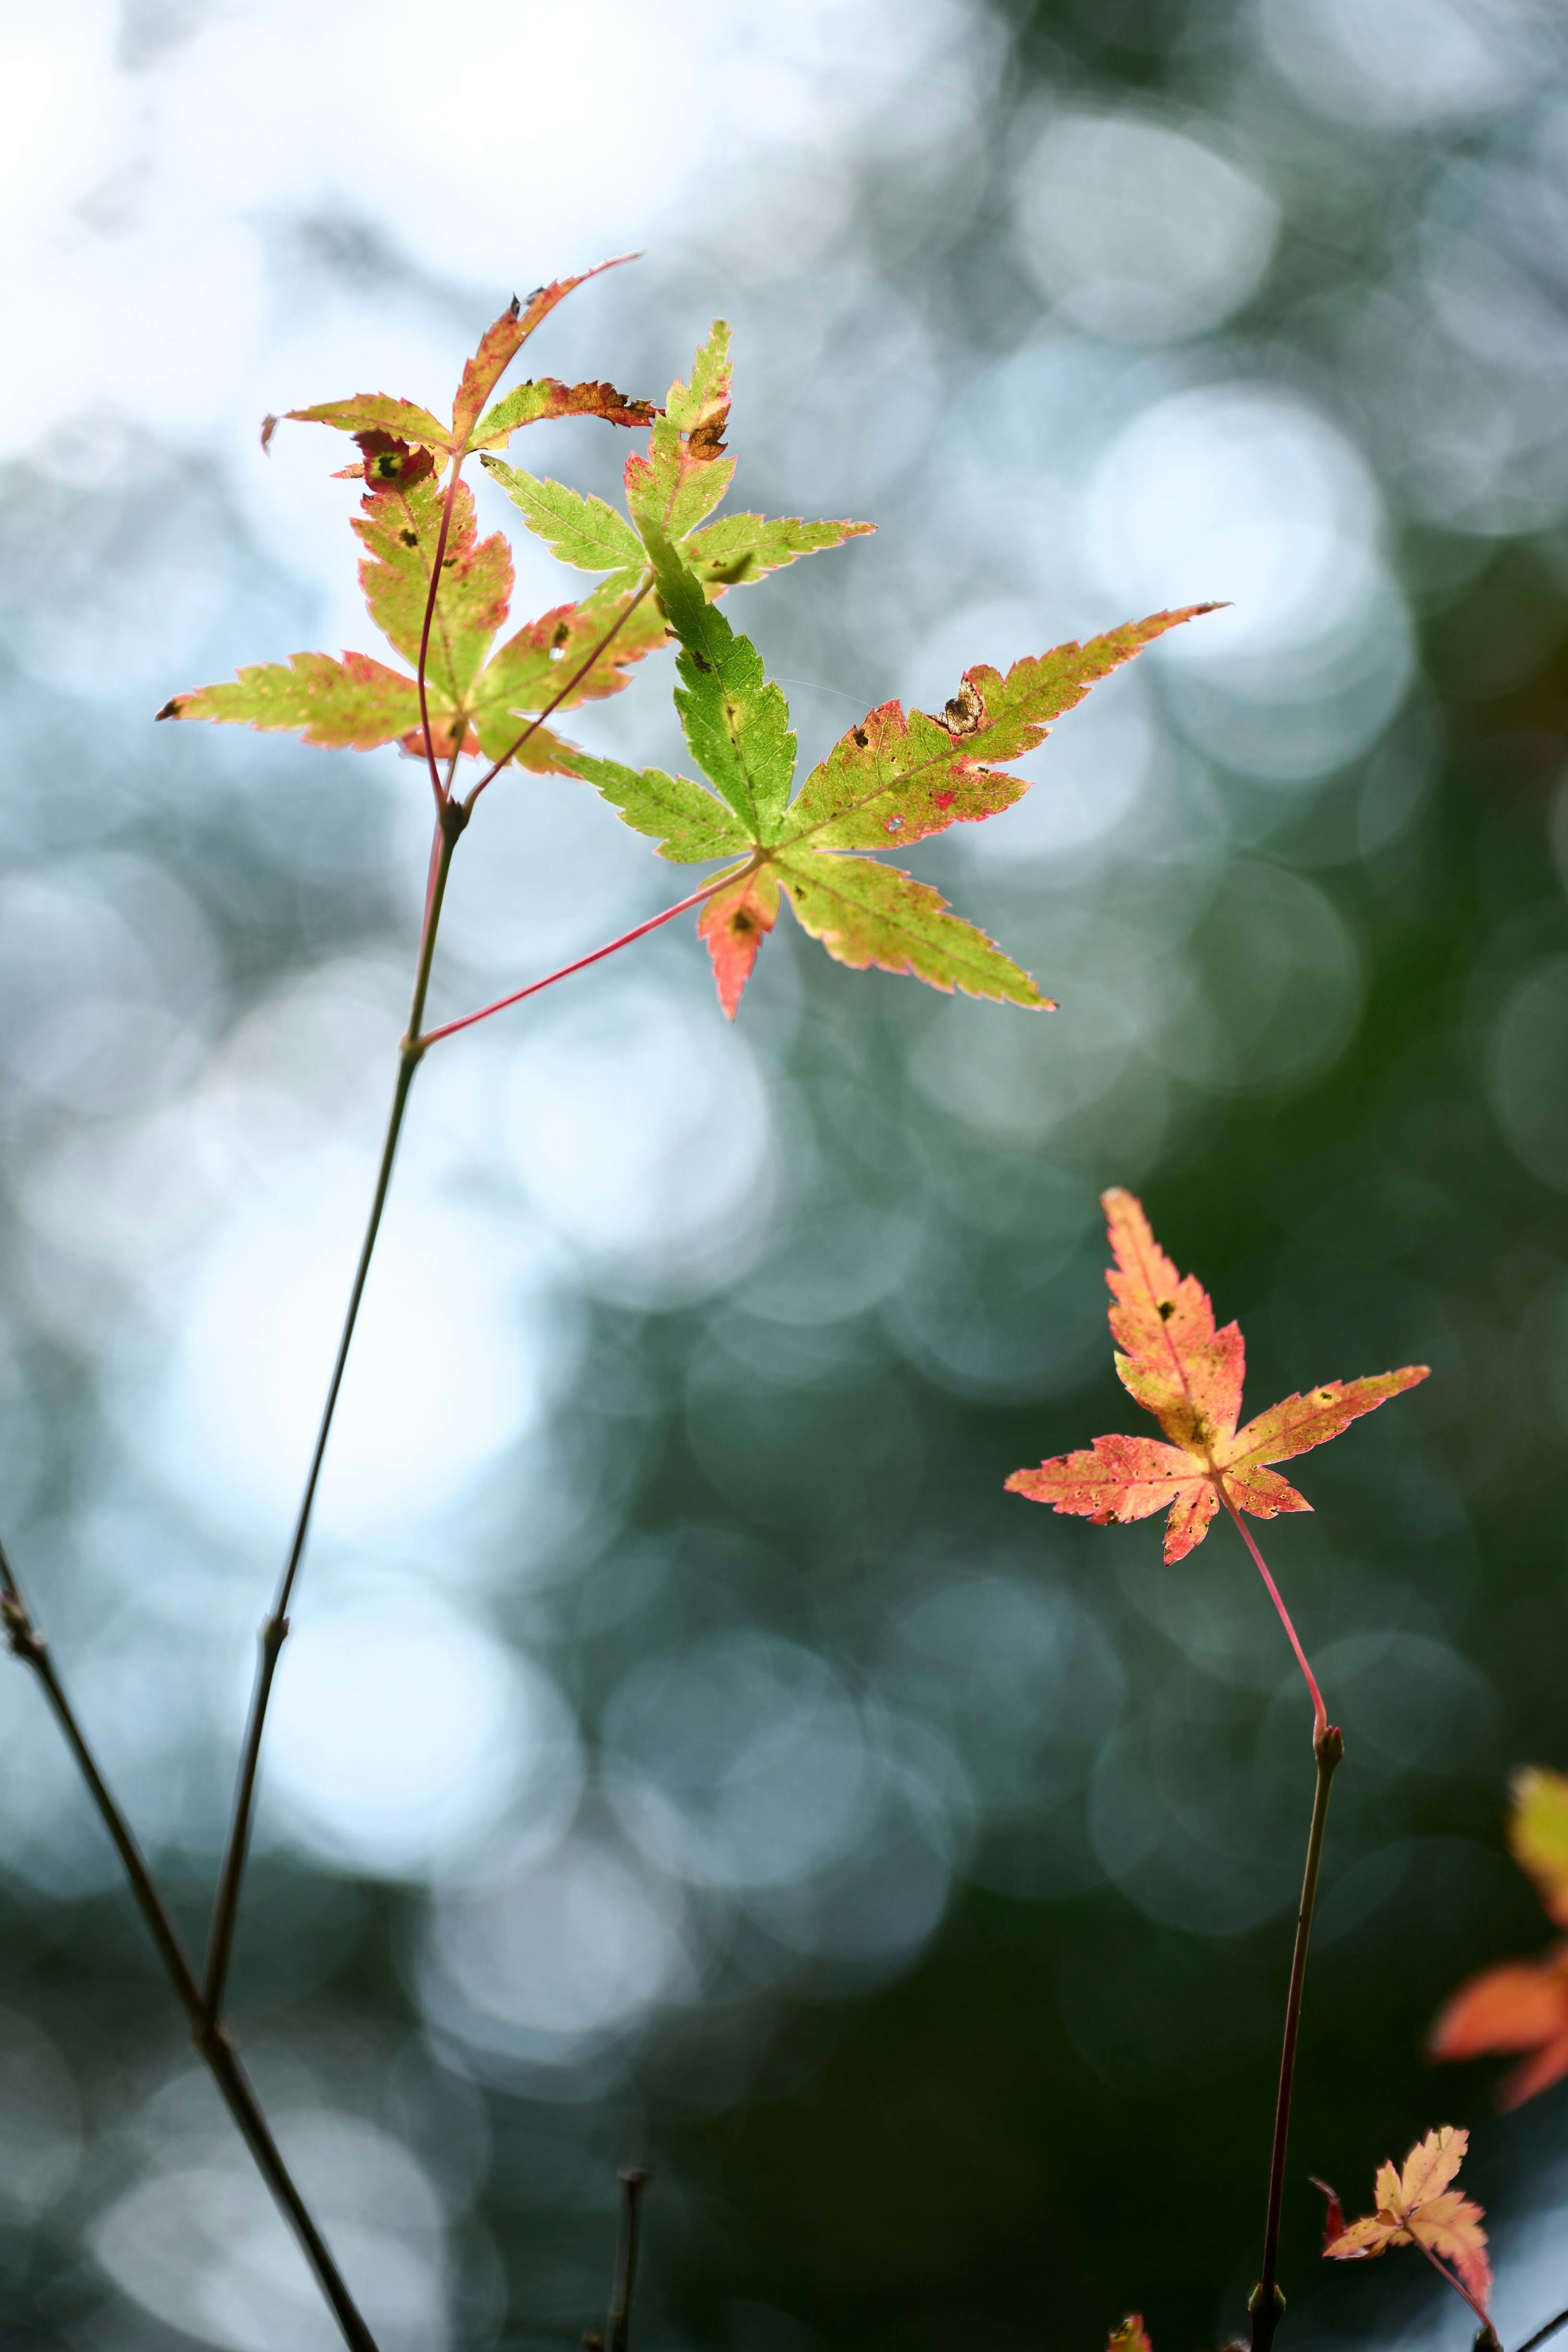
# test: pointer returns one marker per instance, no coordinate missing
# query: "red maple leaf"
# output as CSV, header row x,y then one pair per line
x,y
1188,1375
1522,2006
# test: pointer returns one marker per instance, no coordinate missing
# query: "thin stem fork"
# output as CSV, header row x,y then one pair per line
x,y
211,2042
641,930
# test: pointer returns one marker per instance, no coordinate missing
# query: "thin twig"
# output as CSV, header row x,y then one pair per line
x,y
274,1632
1267,2302
213,2045
450,1028
452,817
1542,2334
574,682
633,2181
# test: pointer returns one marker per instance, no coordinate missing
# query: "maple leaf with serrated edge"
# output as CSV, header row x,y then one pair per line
x,y
1188,1375
527,405
473,703
682,479
1523,2005
407,520
686,472
896,779
1421,2205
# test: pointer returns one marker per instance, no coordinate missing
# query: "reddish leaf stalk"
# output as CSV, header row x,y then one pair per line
x,y
1320,1713
1451,2279
213,2045
719,882
1267,2302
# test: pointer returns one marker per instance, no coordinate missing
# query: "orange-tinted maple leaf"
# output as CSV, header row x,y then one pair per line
x,y
1523,2005
734,924
1186,1373
1421,2206
1131,2337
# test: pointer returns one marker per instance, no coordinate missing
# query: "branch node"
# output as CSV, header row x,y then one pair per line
x,y
21,1637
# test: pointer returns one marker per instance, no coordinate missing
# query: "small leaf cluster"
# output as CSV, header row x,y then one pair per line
x,y
441,596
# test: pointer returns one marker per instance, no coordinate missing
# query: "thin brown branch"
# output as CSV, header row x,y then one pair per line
x,y
450,823
212,2044
1267,2302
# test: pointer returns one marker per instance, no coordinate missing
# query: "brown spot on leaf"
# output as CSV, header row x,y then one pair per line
x,y
172,708
704,442
409,538
862,738
1168,1309
966,713
562,635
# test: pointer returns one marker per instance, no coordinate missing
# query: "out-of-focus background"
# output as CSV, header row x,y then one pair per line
x,y
686,1752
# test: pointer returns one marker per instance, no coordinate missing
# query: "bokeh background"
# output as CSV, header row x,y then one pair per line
x,y
686,1752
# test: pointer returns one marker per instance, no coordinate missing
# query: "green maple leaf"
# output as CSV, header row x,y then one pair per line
x,y
686,472
683,478
355,703
896,779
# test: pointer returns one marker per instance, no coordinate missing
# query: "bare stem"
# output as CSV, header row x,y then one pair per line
x,y
1542,2333
633,2181
1267,2302
553,705
613,947
1319,1712
211,2044
450,823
